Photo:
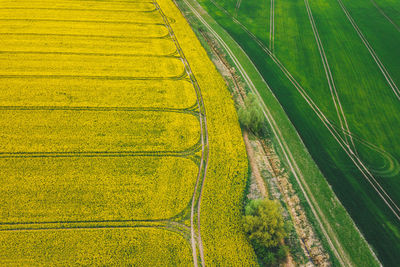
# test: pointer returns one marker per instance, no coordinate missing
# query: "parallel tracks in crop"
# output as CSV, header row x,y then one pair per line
x,y
197,153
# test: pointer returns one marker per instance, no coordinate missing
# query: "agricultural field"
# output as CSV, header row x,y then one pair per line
x,y
120,145
333,66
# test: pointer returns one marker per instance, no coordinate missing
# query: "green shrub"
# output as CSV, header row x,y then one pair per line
x,y
251,116
265,227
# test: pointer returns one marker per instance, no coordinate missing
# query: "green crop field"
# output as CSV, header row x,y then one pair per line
x,y
334,67
120,145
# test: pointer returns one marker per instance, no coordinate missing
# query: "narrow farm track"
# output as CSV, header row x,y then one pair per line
x,y
272,26
238,3
385,15
196,199
331,82
360,165
371,51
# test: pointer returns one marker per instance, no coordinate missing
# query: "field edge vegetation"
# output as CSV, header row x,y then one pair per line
x,y
350,237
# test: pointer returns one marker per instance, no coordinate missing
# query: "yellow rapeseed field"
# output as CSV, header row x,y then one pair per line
x,y
115,128
77,189
172,94
96,131
95,247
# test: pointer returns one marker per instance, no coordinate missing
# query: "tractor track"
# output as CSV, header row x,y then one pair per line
x,y
181,76
272,26
238,3
331,82
371,51
176,223
169,55
196,240
360,165
386,16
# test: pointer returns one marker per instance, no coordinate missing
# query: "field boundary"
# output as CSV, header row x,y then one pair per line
x,y
196,240
290,158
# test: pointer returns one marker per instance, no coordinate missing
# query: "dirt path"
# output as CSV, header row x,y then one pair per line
x,y
254,168
195,238
240,98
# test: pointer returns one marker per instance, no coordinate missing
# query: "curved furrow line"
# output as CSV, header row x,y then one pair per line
x,y
371,51
195,237
346,148
393,164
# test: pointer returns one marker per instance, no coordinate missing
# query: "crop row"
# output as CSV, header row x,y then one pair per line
x,y
89,189
178,94
93,45
88,65
77,27
110,6
100,131
133,246
32,13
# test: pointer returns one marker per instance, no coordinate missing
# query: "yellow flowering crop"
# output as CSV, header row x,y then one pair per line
x,y
85,4
223,238
103,139
81,44
84,65
105,29
96,131
71,13
96,93
106,247
80,189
